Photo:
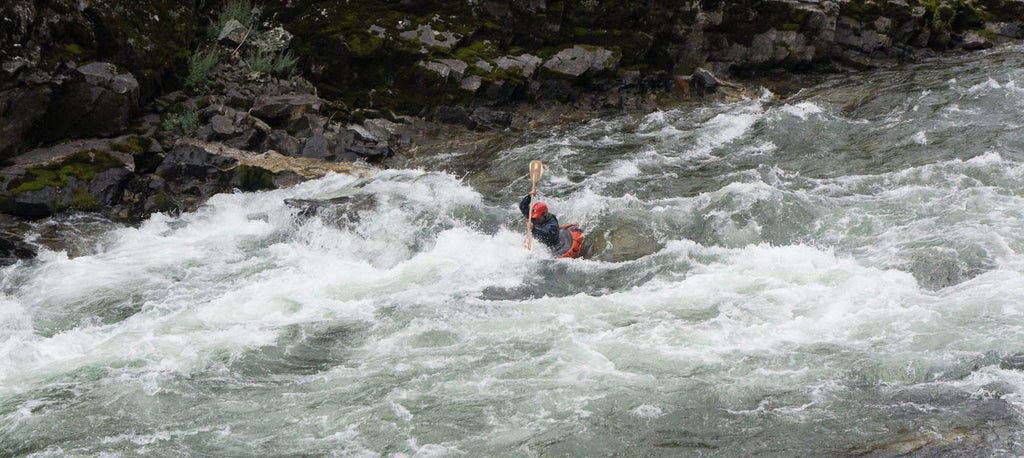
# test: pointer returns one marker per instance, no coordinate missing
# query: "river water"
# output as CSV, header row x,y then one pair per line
x,y
837,273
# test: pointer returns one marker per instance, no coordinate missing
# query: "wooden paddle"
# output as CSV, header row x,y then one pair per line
x,y
536,170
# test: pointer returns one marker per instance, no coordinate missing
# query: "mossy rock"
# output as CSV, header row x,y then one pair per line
x,y
83,165
81,200
254,178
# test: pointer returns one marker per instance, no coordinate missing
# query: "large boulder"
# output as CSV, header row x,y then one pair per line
x,y
98,101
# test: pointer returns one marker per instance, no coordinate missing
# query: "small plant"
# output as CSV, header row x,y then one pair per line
x,y
239,10
199,67
280,65
187,121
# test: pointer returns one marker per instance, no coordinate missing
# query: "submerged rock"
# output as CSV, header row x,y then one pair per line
x,y
341,211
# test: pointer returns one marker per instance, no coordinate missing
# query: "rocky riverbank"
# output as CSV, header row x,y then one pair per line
x,y
125,110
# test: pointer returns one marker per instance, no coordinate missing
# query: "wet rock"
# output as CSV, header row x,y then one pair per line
x,y
973,42
342,212
471,117
108,185
703,81
13,248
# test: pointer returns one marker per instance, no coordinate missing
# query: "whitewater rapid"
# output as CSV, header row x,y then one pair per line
x,y
835,273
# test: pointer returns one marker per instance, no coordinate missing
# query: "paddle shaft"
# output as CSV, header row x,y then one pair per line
x,y
536,170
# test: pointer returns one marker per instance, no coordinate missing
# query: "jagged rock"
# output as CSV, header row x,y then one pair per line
x,y
12,67
484,65
232,33
703,81
250,139
427,35
472,83
223,126
276,109
283,143
446,67
471,117
317,147
369,153
852,34
187,162
578,60
1013,30
526,63
108,185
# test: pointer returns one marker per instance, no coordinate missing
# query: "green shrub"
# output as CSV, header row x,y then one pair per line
x,y
239,10
200,65
280,65
187,121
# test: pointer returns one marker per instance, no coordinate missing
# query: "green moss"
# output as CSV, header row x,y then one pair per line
x,y
364,45
74,48
83,165
476,51
253,178
162,202
81,200
986,33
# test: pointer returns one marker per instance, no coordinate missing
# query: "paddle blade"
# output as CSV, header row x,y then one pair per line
x,y
536,170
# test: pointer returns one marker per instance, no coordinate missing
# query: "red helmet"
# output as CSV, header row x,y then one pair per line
x,y
539,208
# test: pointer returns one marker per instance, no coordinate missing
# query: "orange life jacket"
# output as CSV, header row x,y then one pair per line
x,y
577,241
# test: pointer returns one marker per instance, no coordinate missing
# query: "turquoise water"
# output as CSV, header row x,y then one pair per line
x,y
836,273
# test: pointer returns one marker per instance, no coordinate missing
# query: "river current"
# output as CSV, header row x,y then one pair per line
x,y
840,272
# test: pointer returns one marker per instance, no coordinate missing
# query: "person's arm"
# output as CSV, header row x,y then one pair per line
x,y
524,206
